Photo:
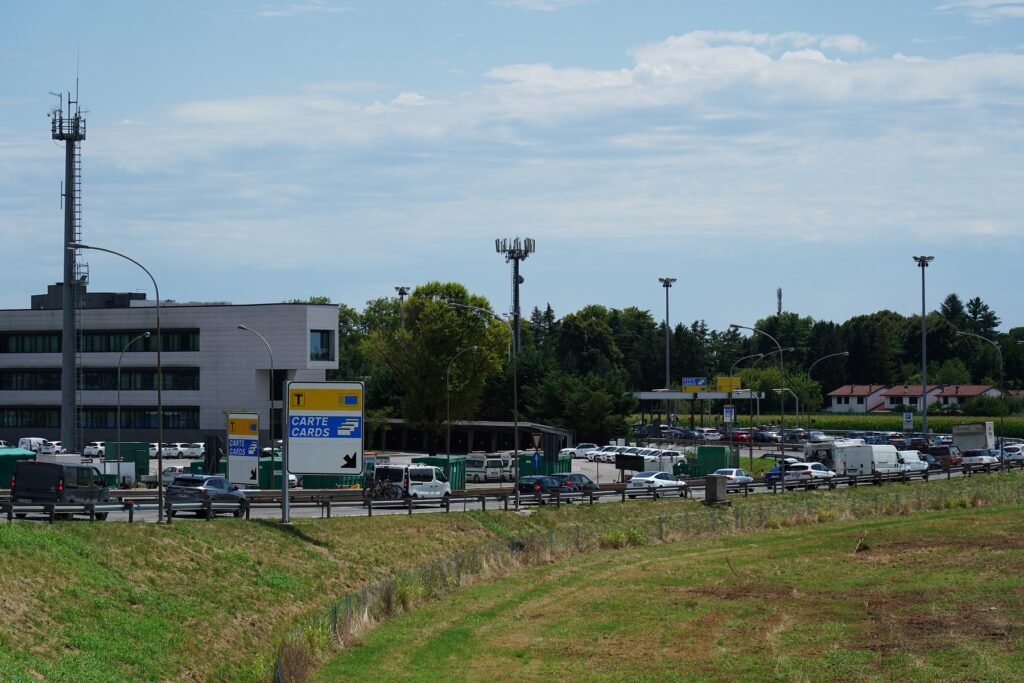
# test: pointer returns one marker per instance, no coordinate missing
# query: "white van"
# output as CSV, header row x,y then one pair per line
x,y
481,468
912,464
416,481
36,444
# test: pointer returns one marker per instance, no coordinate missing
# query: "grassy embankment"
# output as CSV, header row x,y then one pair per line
x,y
935,596
226,600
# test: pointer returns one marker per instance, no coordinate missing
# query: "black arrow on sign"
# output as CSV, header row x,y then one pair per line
x,y
252,473
348,462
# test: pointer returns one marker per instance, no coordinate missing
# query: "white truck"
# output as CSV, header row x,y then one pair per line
x,y
858,460
972,436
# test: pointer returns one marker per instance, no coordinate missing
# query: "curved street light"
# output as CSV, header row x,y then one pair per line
x,y
159,376
448,398
844,354
285,512
1002,391
514,360
144,335
922,262
782,403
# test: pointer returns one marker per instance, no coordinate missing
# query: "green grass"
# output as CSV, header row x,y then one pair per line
x,y
935,596
225,600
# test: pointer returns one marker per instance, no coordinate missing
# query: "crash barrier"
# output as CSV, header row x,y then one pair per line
x,y
134,501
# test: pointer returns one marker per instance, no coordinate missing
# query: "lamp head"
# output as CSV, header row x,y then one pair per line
x,y
666,281
145,335
923,261
242,327
845,354
733,328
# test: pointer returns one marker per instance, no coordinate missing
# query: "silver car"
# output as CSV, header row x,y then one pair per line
x,y
642,481
735,478
199,488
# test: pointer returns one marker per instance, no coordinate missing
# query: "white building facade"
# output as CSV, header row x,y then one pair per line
x,y
210,367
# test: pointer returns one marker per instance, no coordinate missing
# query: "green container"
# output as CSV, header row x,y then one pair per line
x,y
454,468
197,467
545,465
9,456
131,451
111,480
326,481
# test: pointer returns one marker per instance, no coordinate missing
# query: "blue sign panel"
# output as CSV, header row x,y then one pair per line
x,y
325,427
244,447
695,381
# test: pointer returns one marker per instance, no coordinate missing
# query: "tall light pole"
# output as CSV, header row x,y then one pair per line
x,y
666,282
922,262
402,292
159,377
1002,391
448,396
782,405
758,356
514,359
144,335
285,512
844,354
515,250
750,401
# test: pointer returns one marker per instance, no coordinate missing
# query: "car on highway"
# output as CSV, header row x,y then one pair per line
x,y
576,481
1013,455
809,475
199,488
947,456
979,459
773,476
734,478
95,449
643,481
416,481
536,484
911,462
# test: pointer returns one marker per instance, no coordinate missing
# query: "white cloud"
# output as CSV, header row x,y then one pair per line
x,y
309,7
986,10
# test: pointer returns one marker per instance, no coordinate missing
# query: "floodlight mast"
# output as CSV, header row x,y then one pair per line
x,y
515,250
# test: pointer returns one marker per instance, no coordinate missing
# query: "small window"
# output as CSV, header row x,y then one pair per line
x,y
85,476
421,475
321,345
440,475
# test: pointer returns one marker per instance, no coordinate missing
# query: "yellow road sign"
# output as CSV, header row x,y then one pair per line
x,y
239,425
727,383
325,399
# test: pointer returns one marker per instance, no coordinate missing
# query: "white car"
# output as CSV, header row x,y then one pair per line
x,y
152,449
583,448
707,434
602,454
648,480
1014,455
179,449
197,449
809,474
58,447
95,449
979,459
911,462
735,478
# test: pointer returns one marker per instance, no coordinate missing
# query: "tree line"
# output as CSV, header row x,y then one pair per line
x,y
577,371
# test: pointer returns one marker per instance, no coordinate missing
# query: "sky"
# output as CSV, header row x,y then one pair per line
x,y
258,152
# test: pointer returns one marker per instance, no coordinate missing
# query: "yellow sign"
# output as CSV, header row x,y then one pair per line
x,y
239,425
690,389
727,384
325,399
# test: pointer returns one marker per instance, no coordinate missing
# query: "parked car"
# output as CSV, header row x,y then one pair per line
x,y
815,436
576,481
766,436
95,449
4,444
58,447
1013,455
583,448
179,449
605,454
650,479
809,474
152,449
740,436
735,478
536,484
198,488
774,475
32,443
197,449
979,459
680,433
172,472
796,436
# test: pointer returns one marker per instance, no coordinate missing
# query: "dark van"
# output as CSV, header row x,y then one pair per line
x,y
51,482
948,457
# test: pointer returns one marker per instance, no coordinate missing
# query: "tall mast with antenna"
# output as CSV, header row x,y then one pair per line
x,y
69,127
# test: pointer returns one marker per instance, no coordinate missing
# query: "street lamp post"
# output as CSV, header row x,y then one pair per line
x,y
750,401
1002,391
795,398
666,282
782,405
448,397
922,262
844,354
285,512
514,359
159,376
144,335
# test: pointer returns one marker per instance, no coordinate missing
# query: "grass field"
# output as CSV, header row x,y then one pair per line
x,y
934,596
230,600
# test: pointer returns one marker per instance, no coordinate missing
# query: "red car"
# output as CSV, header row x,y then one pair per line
x,y
740,436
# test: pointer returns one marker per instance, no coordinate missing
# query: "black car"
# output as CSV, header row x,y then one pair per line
x,y
199,488
576,482
541,483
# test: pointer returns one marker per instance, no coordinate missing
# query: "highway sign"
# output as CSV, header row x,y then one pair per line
x,y
324,432
243,448
695,384
727,384
729,414
908,421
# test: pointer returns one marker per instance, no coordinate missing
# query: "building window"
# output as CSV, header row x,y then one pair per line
x,y
39,379
860,400
34,417
115,342
30,342
140,417
321,345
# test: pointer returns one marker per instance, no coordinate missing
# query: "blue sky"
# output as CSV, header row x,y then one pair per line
x,y
263,151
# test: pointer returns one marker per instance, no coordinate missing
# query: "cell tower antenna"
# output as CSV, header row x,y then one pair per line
x,y
515,250
778,294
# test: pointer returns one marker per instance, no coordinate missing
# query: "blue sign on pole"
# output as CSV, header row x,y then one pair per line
x,y
536,460
695,381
